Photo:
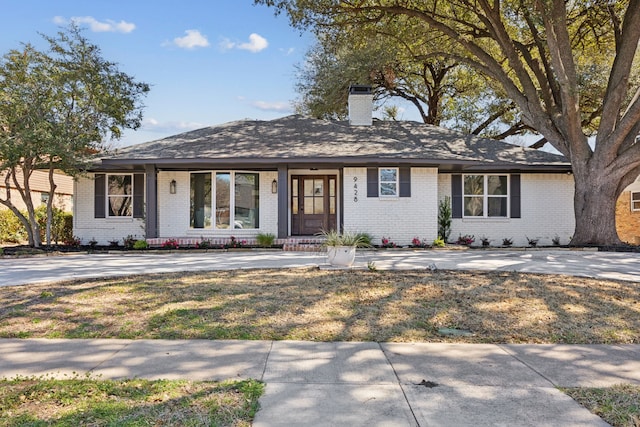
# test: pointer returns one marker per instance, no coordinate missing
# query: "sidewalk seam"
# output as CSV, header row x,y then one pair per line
x,y
406,399
109,357
506,350
266,360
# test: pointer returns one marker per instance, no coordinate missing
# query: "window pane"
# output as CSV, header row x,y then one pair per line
x,y
473,185
294,188
223,199
388,175
473,206
318,205
332,187
332,205
308,205
308,187
119,185
246,212
635,196
497,206
388,189
497,185
318,187
200,212
119,190
120,206
294,207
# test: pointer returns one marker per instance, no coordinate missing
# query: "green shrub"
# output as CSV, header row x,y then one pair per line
x,y
365,239
439,243
61,224
204,244
140,244
11,229
265,240
444,218
129,242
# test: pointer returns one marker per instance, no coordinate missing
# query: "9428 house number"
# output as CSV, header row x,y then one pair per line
x,y
355,189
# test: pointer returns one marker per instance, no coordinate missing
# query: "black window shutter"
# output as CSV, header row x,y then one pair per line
x,y
99,195
138,195
372,182
405,182
456,196
515,196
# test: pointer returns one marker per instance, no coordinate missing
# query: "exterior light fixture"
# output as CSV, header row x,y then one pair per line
x,y
274,186
172,186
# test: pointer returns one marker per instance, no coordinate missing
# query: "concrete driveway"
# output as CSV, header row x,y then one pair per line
x,y
603,265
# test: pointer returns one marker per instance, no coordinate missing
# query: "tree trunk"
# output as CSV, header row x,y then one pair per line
x,y
595,206
52,192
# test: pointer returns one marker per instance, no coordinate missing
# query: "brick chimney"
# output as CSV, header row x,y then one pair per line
x,y
360,105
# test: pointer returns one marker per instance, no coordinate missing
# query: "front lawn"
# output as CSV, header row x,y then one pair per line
x,y
317,305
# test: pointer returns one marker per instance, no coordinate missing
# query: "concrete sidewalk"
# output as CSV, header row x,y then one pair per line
x,y
358,384
602,265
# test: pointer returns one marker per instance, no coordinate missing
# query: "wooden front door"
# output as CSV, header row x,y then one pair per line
x,y
313,204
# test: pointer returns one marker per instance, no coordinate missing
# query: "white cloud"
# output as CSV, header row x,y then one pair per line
x,y
272,106
97,26
255,44
169,127
192,40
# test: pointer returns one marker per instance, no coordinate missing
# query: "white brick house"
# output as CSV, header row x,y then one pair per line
x,y
295,176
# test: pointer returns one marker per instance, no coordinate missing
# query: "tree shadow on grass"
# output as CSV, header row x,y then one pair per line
x,y
310,304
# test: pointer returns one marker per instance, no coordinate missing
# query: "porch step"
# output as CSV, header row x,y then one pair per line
x,y
302,244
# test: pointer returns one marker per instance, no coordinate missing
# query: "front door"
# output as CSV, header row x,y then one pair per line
x,y
313,204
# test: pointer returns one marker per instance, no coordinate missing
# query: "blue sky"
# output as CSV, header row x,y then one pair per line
x,y
208,62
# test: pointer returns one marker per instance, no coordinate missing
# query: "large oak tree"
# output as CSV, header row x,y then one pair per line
x,y
397,62
548,57
58,107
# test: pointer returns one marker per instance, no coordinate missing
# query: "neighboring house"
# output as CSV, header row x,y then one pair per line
x,y
39,185
628,214
296,176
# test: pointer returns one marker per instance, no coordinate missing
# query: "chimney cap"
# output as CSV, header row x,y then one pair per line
x,y
360,90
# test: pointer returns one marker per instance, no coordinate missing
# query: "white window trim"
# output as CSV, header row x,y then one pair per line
x,y
633,209
397,183
107,195
486,196
232,197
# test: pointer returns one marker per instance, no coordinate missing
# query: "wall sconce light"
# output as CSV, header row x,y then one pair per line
x,y
274,186
172,186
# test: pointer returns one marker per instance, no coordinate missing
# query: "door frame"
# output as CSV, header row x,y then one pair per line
x,y
330,220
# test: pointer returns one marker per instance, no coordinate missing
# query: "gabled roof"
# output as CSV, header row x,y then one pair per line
x,y
300,140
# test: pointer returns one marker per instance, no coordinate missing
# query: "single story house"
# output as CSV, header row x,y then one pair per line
x,y
296,176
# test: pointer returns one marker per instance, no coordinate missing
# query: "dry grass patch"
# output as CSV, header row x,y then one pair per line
x,y
312,304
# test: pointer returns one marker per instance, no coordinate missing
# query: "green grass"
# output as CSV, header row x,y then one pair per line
x,y
618,405
44,401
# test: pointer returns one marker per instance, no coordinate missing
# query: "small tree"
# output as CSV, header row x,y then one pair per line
x,y
57,108
444,218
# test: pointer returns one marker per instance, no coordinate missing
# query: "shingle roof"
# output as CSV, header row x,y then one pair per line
x,y
295,138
